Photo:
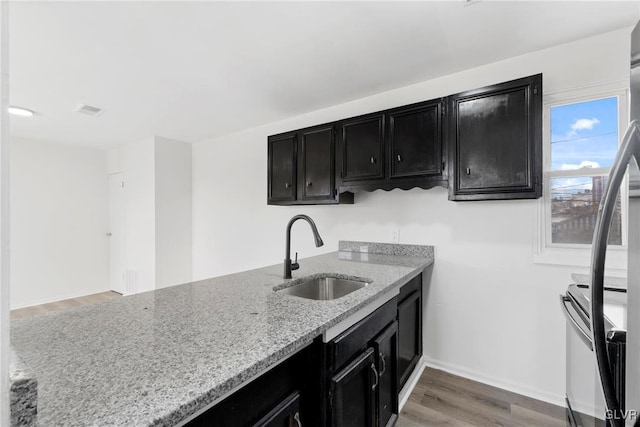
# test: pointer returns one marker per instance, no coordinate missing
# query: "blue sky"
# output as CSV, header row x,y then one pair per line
x,y
585,133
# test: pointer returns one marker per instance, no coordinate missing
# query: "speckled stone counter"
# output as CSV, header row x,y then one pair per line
x,y
386,248
158,357
23,392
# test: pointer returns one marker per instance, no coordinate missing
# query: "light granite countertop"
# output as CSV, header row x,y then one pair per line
x,y
23,392
158,357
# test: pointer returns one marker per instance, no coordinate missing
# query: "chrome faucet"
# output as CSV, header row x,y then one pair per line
x,y
288,265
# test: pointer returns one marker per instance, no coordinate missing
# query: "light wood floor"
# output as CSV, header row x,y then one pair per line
x,y
62,305
442,399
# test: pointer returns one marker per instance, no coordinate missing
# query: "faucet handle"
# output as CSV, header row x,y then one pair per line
x,y
295,265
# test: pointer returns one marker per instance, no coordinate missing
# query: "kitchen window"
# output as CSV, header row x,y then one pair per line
x,y
581,137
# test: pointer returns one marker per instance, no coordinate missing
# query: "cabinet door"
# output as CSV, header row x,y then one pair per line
x,y
282,152
386,352
285,414
415,141
496,141
318,165
409,335
362,141
352,393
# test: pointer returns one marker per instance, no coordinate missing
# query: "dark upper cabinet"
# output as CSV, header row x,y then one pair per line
x,y
318,164
483,144
282,167
495,141
415,141
397,148
301,168
362,142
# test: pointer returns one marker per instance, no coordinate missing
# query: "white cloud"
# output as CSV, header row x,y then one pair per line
x,y
585,164
582,124
567,187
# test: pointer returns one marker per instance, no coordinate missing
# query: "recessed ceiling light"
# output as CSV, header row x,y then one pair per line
x,y
19,111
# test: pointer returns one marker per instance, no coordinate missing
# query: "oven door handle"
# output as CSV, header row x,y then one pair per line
x,y
582,333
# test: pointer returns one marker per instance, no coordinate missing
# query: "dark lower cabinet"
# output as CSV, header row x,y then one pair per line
x,y
409,329
351,381
286,414
362,365
352,397
283,396
386,351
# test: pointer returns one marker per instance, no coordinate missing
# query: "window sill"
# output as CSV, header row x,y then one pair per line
x,y
572,257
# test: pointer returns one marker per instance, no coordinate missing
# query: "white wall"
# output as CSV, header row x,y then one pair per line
x,y
491,313
59,220
173,212
138,165
157,187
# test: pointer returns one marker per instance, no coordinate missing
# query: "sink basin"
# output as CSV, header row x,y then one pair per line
x,y
325,288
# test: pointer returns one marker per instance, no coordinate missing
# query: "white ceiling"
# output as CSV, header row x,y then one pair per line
x,y
191,71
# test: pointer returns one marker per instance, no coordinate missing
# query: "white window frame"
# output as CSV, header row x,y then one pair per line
x,y
546,252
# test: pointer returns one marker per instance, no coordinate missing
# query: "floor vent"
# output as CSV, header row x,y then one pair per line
x,y
130,281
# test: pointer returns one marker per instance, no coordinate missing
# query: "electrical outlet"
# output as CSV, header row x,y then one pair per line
x,y
395,235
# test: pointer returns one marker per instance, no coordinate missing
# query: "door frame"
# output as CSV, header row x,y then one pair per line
x,y
122,289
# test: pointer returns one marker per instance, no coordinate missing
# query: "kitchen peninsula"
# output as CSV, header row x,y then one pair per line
x,y
160,357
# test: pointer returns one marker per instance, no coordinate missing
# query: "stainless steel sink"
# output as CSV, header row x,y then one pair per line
x,y
325,288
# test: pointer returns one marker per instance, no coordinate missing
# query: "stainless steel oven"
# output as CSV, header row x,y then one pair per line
x,y
584,397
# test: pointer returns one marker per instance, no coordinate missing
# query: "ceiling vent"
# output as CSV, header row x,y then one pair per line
x,y
89,110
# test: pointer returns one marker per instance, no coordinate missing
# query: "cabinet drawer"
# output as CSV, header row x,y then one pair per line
x,y
346,345
285,414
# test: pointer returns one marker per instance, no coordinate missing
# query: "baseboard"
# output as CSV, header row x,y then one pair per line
x,y
544,396
411,383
